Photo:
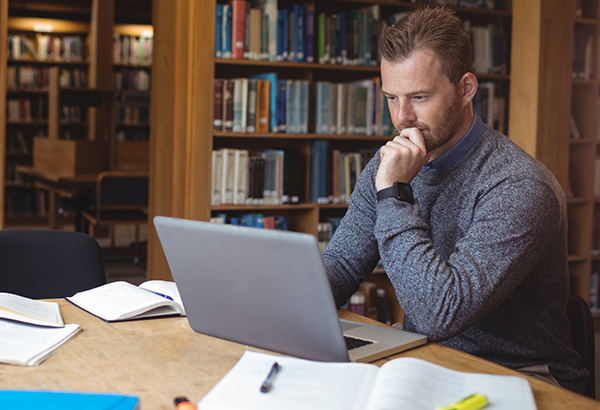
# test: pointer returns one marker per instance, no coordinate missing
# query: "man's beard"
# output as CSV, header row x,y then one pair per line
x,y
439,134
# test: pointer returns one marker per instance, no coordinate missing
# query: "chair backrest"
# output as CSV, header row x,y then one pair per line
x,y
44,263
119,190
582,331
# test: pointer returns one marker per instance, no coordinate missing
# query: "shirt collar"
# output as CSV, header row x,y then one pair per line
x,y
457,152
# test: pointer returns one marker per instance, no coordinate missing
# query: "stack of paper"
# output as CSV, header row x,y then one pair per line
x,y
31,330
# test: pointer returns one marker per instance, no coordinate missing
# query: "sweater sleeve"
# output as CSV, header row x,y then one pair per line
x,y
510,230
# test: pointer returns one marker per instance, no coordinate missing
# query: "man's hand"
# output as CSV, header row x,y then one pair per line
x,y
402,158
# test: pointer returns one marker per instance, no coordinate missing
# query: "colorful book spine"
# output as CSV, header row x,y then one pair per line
x,y
219,31
226,50
299,32
238,29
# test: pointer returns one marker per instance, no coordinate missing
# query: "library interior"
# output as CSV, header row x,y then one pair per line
x,y
259,113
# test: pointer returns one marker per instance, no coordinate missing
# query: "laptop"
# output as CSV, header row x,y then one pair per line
x,y
268,289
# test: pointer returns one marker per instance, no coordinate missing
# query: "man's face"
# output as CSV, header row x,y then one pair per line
x,y
420,95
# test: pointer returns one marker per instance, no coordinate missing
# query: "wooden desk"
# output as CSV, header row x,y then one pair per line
x,y
60,186
161,359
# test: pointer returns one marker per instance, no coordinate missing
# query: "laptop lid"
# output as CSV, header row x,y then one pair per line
x,y
260,287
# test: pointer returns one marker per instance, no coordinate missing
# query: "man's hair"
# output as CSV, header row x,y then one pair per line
x,y
437,29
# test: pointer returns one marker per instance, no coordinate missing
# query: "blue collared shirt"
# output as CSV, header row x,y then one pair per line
x,y
455,154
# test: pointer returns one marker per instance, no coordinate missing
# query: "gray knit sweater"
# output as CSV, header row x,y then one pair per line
x,y
479,262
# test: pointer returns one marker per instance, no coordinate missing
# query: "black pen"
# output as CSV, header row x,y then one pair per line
x,y
268,383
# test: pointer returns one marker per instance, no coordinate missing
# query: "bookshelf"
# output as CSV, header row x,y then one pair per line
x,y
583,202
34,46
132,46
90,28
183,138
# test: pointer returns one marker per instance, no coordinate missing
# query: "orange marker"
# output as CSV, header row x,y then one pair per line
x,y
182,403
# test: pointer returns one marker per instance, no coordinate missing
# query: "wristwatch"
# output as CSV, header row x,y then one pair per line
x,y
400,190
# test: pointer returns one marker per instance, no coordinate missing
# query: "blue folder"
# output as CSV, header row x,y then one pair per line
x,y
62,400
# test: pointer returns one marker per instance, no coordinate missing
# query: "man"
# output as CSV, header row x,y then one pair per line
x,y
478,258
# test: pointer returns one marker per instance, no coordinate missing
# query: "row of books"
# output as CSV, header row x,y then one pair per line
x,y
490,107
27,77
46,47
479,4
262,103
325,231
354,108
267,177
333,173
253,220
583,55
132,79
133,135
372,301
27,110
71,114
261,31
133,115
132,49
490,47
16,143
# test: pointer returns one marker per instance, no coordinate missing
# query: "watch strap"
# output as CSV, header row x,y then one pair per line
x,y
400,190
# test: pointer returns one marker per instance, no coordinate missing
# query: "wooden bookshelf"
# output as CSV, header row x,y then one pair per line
x,y
93,23
584,146
182,136
32,96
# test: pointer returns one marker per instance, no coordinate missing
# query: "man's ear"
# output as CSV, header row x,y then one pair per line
x,y
468,86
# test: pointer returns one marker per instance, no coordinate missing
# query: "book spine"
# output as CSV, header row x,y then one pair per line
x,y
281,107
227,31
264,106
238,29
251,117
309,51
228,90
299,32
218,105
270,11
290,94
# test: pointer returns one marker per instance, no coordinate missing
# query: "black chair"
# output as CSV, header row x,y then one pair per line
x,y
582,331
44,263
121,199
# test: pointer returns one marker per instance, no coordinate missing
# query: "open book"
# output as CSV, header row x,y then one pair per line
x,y
31,330
403,383
37,312
123,301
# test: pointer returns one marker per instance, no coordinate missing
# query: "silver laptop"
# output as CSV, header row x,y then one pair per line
x,y
267,289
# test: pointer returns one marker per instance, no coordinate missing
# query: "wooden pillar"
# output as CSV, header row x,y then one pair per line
x,y
540,81
3,84
181,112
100,68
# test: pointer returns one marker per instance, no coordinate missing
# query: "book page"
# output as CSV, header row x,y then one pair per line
x,y
29,345
164,287
299,384
27,310
416,384
122,300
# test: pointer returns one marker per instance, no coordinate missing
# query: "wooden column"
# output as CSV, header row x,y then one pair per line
x,y
540,81
3,84
101,121
181,117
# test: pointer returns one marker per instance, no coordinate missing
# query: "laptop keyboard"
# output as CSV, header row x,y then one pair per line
x,y
353,343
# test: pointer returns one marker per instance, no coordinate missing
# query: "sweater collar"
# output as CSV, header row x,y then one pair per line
x,y
457,152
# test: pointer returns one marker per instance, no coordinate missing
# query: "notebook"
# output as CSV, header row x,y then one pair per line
x,y
268,289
